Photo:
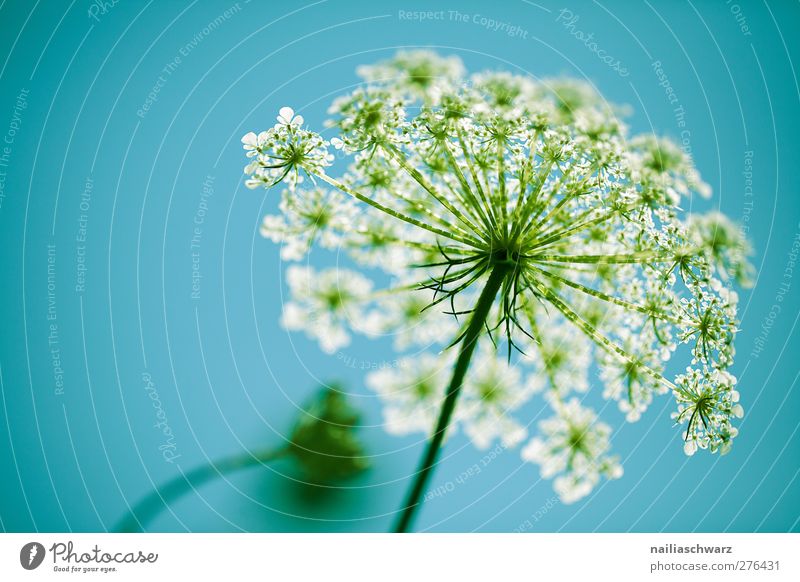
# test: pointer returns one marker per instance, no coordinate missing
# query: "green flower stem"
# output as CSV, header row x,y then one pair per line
x,y
580,223
450,235
466,195
155,502
474,329
501,179
558,208
640,257
595,335
523,210
420,179
610,298
469,158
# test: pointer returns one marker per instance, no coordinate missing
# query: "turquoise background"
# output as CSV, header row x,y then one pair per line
x,y
227,375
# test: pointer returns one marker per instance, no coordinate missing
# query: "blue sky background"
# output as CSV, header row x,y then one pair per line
x,y
72,78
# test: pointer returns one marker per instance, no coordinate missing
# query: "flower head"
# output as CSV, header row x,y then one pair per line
x,y
630,379
723,244
661,163
573,449
412,392
311,216
561,355
404,317
418,73
709,321
538,188
285,152
707,401
325,304
492,393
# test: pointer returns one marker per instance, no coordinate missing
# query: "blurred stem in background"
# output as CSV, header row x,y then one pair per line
x,y
149,507
322,443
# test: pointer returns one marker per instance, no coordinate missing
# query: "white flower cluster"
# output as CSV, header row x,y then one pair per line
x,y
307,217
412,392
707,401
724,244
282,152
573,448
457,183
326,305
418,72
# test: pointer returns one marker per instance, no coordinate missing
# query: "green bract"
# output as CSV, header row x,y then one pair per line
x,y
324,442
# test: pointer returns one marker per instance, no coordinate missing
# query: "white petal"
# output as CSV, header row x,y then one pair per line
x,y
250,139
285,114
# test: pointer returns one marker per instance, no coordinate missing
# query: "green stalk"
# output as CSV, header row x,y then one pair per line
x,y
474,329
153,504
391,212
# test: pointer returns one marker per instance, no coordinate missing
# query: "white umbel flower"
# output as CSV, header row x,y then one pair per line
x,y
308,217
724,244
419,73
412,392
325,304
563,236
405,317
492,392
573,448
561,355
707,402
630,379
